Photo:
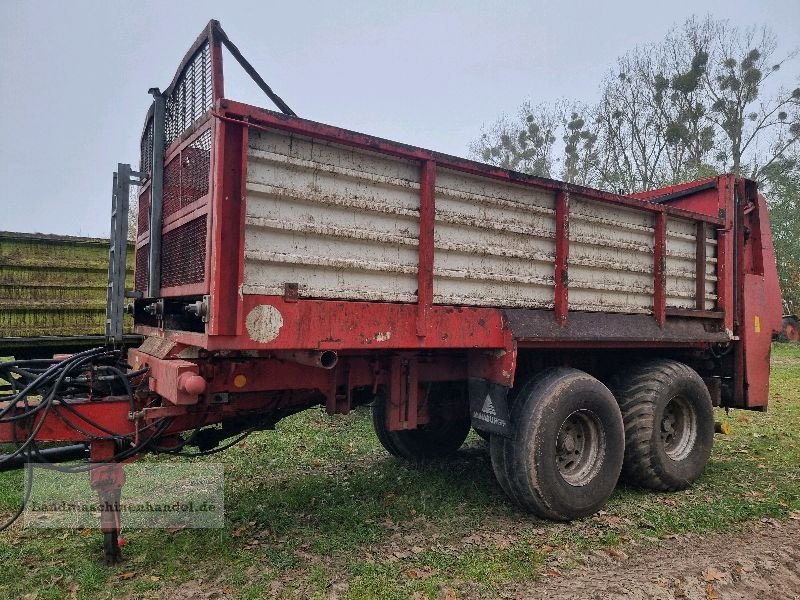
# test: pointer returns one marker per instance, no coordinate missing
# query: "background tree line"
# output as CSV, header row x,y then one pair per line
x,y
709,98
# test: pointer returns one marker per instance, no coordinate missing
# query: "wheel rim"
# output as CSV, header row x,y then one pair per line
x,y
580,447
678,428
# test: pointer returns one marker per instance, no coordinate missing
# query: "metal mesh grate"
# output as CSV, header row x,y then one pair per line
x,y
142,272
186,176
183,254
146,149
143,220
192,95
196,166
172,186
189,100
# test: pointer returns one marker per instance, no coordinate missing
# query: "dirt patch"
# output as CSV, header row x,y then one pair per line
x,y
763,562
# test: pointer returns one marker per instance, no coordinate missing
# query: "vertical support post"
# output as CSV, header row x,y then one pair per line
x,y
156,192
403,394
229,164
215,45
427,218
660,269
117,254
725,255
107,479
561,288
700,267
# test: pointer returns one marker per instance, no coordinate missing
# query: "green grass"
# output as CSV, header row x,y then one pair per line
x,y
318,505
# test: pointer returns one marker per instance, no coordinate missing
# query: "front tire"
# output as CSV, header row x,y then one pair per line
x,y
566,452
669,424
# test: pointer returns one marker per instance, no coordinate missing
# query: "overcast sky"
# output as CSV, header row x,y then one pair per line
x,y
74,75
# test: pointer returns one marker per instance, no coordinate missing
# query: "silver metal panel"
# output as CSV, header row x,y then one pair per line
x,y
681,265
494,243
610,258
344,223
339,222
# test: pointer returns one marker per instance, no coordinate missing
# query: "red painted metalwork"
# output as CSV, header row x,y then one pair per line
x,y
403,394
660,269
561,275
217,78
700,265
227,205
762,315
427,216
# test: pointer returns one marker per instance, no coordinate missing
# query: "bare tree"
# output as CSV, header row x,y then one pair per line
x,y
581,157
700,102
759,127
524,144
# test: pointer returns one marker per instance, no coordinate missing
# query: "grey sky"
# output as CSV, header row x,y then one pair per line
x,y
75,75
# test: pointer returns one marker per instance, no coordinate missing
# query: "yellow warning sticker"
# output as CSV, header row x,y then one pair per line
x,y
757,324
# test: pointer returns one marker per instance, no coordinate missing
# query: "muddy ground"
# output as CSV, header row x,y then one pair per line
x,y
762,562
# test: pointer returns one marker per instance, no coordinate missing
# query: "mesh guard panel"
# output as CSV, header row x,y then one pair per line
x,y
183,254
172,186
142,270
191,97
143,219
146,149
186,176
196,167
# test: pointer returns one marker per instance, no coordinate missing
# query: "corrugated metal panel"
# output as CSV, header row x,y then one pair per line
x,y
681,265
610,258
344,223
53,285
340,223
494,243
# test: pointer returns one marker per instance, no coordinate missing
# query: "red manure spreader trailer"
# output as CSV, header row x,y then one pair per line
x,y
283,264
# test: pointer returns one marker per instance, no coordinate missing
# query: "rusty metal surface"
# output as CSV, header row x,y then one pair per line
x,y
540,326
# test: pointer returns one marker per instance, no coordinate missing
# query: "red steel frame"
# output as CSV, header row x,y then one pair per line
x,y
459,342
308,324
225,331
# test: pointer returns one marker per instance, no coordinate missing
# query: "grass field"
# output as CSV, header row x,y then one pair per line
x,y
317,508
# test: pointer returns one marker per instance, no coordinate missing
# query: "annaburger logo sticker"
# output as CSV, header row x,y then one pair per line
x,y
488,407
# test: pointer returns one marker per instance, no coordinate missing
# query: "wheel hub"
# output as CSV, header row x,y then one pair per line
x,y
580,447
678,428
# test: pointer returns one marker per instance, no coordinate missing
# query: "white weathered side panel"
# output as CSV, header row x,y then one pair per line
x,y
682,265
494,243
344,223
711,269
610,258
339,222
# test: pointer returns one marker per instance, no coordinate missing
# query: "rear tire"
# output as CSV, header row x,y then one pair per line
x,y
669,424
566,452
436,439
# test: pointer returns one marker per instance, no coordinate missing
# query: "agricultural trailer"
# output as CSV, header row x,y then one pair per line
x,y
284,264
53,292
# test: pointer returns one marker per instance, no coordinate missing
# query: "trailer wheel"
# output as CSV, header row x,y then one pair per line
x,y
433,440
566,452
669,424
790,330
